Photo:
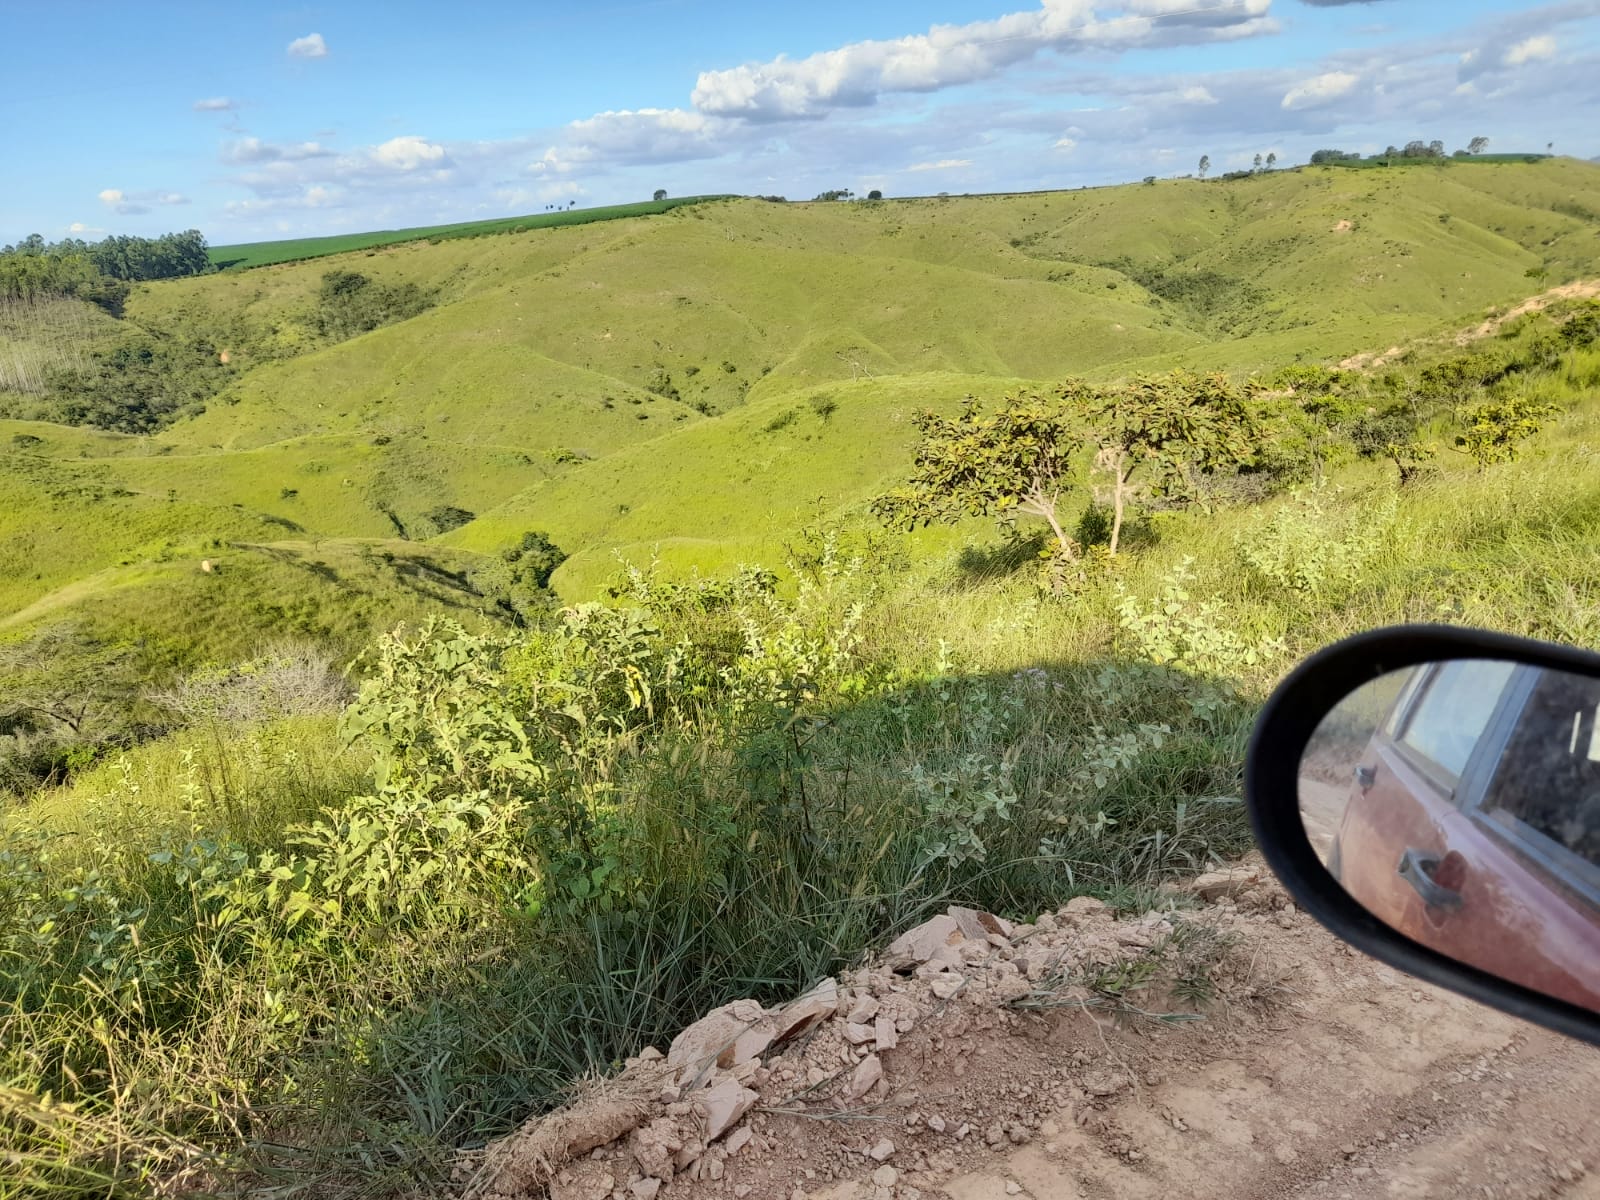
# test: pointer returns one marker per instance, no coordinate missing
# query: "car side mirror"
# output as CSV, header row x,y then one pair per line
x,y
1432,795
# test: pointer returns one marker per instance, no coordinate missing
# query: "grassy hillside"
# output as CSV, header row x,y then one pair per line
x,y
705,379
256,934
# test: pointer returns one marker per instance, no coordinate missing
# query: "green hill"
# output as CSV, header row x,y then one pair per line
x,y
705,378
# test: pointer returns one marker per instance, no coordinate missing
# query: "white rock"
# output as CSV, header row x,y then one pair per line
x,y
885,1176
646,1188
946,986
920,944
863,1010
818,1004
882,1152
1013,1188
725,1104
737,1140
857,1034
725,1037
1084,906
867,1073
936,1124
884,1033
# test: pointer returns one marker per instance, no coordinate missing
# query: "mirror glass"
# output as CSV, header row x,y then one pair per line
x,y
1459,803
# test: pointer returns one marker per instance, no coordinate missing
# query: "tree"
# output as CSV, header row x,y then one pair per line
x,y
1272,160
1205,165
874,194
1258,162
1165,429
835,194
534,559
660,195
1494,430
1015,460
1477,145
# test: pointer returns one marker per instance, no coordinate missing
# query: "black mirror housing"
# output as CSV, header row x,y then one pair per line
x,y
1282,732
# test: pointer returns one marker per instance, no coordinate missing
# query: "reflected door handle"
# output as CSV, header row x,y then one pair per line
x,y
1417,868
1366,777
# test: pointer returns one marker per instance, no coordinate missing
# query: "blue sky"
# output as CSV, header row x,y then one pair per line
x,y
253,121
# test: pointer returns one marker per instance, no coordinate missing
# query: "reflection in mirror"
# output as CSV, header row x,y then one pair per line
x,y
1459,803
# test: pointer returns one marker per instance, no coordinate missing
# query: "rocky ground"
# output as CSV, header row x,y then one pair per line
x,y
1229,1049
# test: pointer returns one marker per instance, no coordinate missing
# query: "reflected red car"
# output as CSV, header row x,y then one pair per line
x,y
1473,824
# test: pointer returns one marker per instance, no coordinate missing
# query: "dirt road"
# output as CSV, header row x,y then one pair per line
x,y
1315,1072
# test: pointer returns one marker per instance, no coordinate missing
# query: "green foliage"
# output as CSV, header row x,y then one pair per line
x,y
1309,548
1176,629
1015,460
1168,430
349,303
142,384
1495,431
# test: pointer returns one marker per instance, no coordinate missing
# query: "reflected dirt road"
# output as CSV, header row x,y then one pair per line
x,y
1322,807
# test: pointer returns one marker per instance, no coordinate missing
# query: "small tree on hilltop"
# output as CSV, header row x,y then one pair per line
x,y
874,194
1165,429
1205,165
660,194
1272,160
1477,145
1015,460
1258,162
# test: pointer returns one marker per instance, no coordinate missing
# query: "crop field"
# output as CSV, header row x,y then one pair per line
x,y
264,254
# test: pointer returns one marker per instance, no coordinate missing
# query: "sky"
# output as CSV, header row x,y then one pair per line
x,y
254,121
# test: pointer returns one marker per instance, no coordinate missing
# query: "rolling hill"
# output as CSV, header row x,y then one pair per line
x,y
706,378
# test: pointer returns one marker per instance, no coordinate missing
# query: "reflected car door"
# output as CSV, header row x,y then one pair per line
x,y
1446,870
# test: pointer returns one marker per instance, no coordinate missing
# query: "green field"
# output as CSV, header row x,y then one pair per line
x,y
263,254
742,729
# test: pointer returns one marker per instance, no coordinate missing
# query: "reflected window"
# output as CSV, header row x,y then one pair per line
x,y
1548,777
1457,701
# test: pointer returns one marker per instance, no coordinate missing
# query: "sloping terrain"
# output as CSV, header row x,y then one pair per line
x,y
707,379
1044,1061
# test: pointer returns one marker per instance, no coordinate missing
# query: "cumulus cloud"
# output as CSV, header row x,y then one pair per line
x,y
79,229
216,104
310,46
647,135
1532,49
1319,90
944,164
407,153
128,204
1066,143
121,203
856,75
253,150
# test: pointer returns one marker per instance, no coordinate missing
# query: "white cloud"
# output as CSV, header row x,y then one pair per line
x,y
1197,95
408,153
1319,90
949,55
121,203
216,104
128,204
254,150
944,164
78,229
1066,143
1531,49
310,46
